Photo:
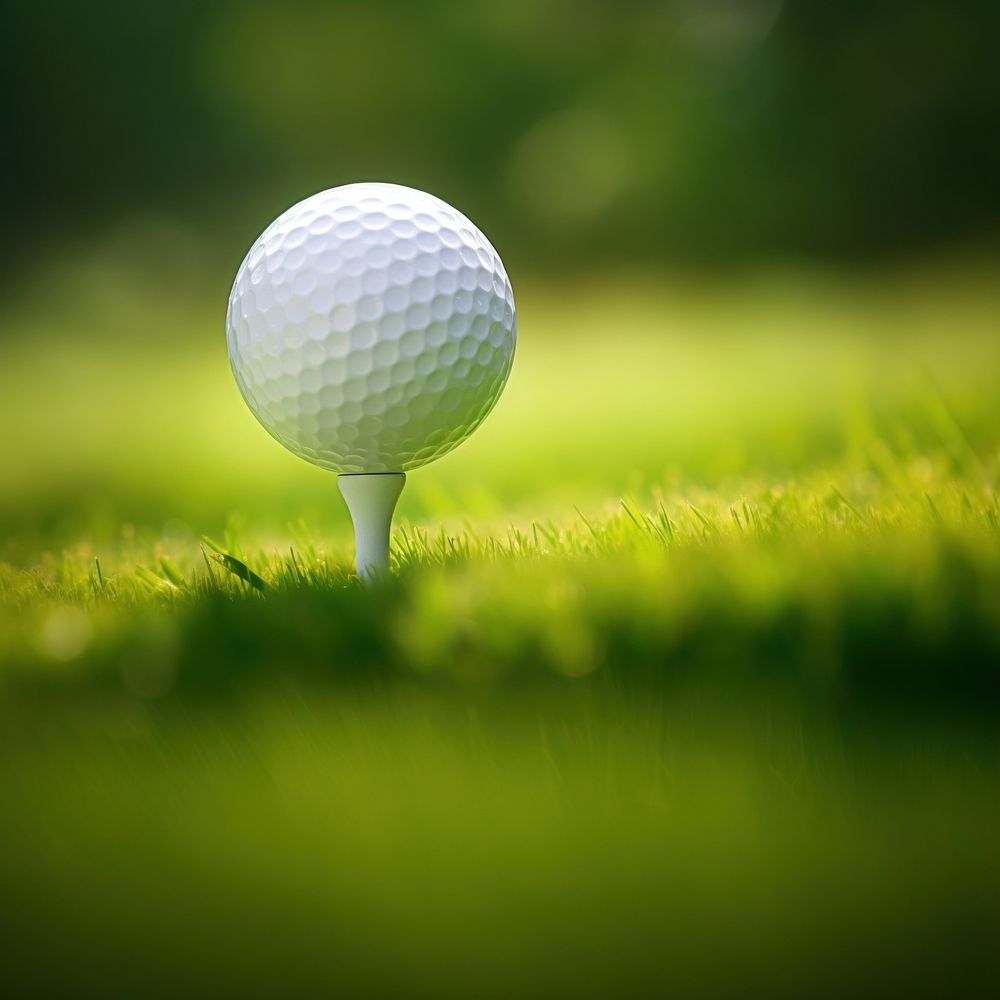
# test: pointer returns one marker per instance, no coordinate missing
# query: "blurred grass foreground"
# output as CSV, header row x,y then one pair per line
x,y
686,678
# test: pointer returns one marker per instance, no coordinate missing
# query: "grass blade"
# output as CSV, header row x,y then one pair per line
x,y
235,566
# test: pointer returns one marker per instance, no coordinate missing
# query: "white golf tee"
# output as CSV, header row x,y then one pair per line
x,y
371,499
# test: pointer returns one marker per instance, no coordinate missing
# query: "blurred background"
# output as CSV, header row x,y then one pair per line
x,y
581,132
777,209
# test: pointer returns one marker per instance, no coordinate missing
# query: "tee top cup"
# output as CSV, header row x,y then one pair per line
x,y
371,328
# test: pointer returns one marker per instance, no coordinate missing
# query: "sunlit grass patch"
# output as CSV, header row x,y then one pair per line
x,y
874,593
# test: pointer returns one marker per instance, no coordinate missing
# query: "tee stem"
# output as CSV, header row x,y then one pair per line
x,y
371,499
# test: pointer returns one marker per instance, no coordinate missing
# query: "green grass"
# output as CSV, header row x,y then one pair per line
x,y
688,675
889,598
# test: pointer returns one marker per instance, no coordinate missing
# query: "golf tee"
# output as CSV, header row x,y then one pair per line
x,y
371,499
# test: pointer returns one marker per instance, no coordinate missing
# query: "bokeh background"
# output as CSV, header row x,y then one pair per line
x,y
580,132
727,222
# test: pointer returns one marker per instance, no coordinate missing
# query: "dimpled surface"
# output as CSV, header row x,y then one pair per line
x,y
371,328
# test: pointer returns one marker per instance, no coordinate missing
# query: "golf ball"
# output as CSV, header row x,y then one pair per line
x,y
371,328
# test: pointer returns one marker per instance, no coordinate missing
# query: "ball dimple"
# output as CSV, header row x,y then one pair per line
x,y
362,337
331,396
313,355
297,310
402,373
410,343
418,316
345,212
369,425
258,301
451,400
369,308
385,352
359,363
320,224
427,264
342,318
397,297
294,259
428,241
371,328
274,320
375,281
354,265
338,344
437,333
392,326
425,363
447,281
404,230
329,262
373,405
468,278
355,390
450,258
333,371
321,299
347,290
422,290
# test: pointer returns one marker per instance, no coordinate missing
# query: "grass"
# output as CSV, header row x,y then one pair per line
x,y
686,679
889,598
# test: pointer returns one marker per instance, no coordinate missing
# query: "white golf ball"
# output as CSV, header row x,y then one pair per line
x,y
371,328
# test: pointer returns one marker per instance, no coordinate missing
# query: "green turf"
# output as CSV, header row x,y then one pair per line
x,y
688,675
